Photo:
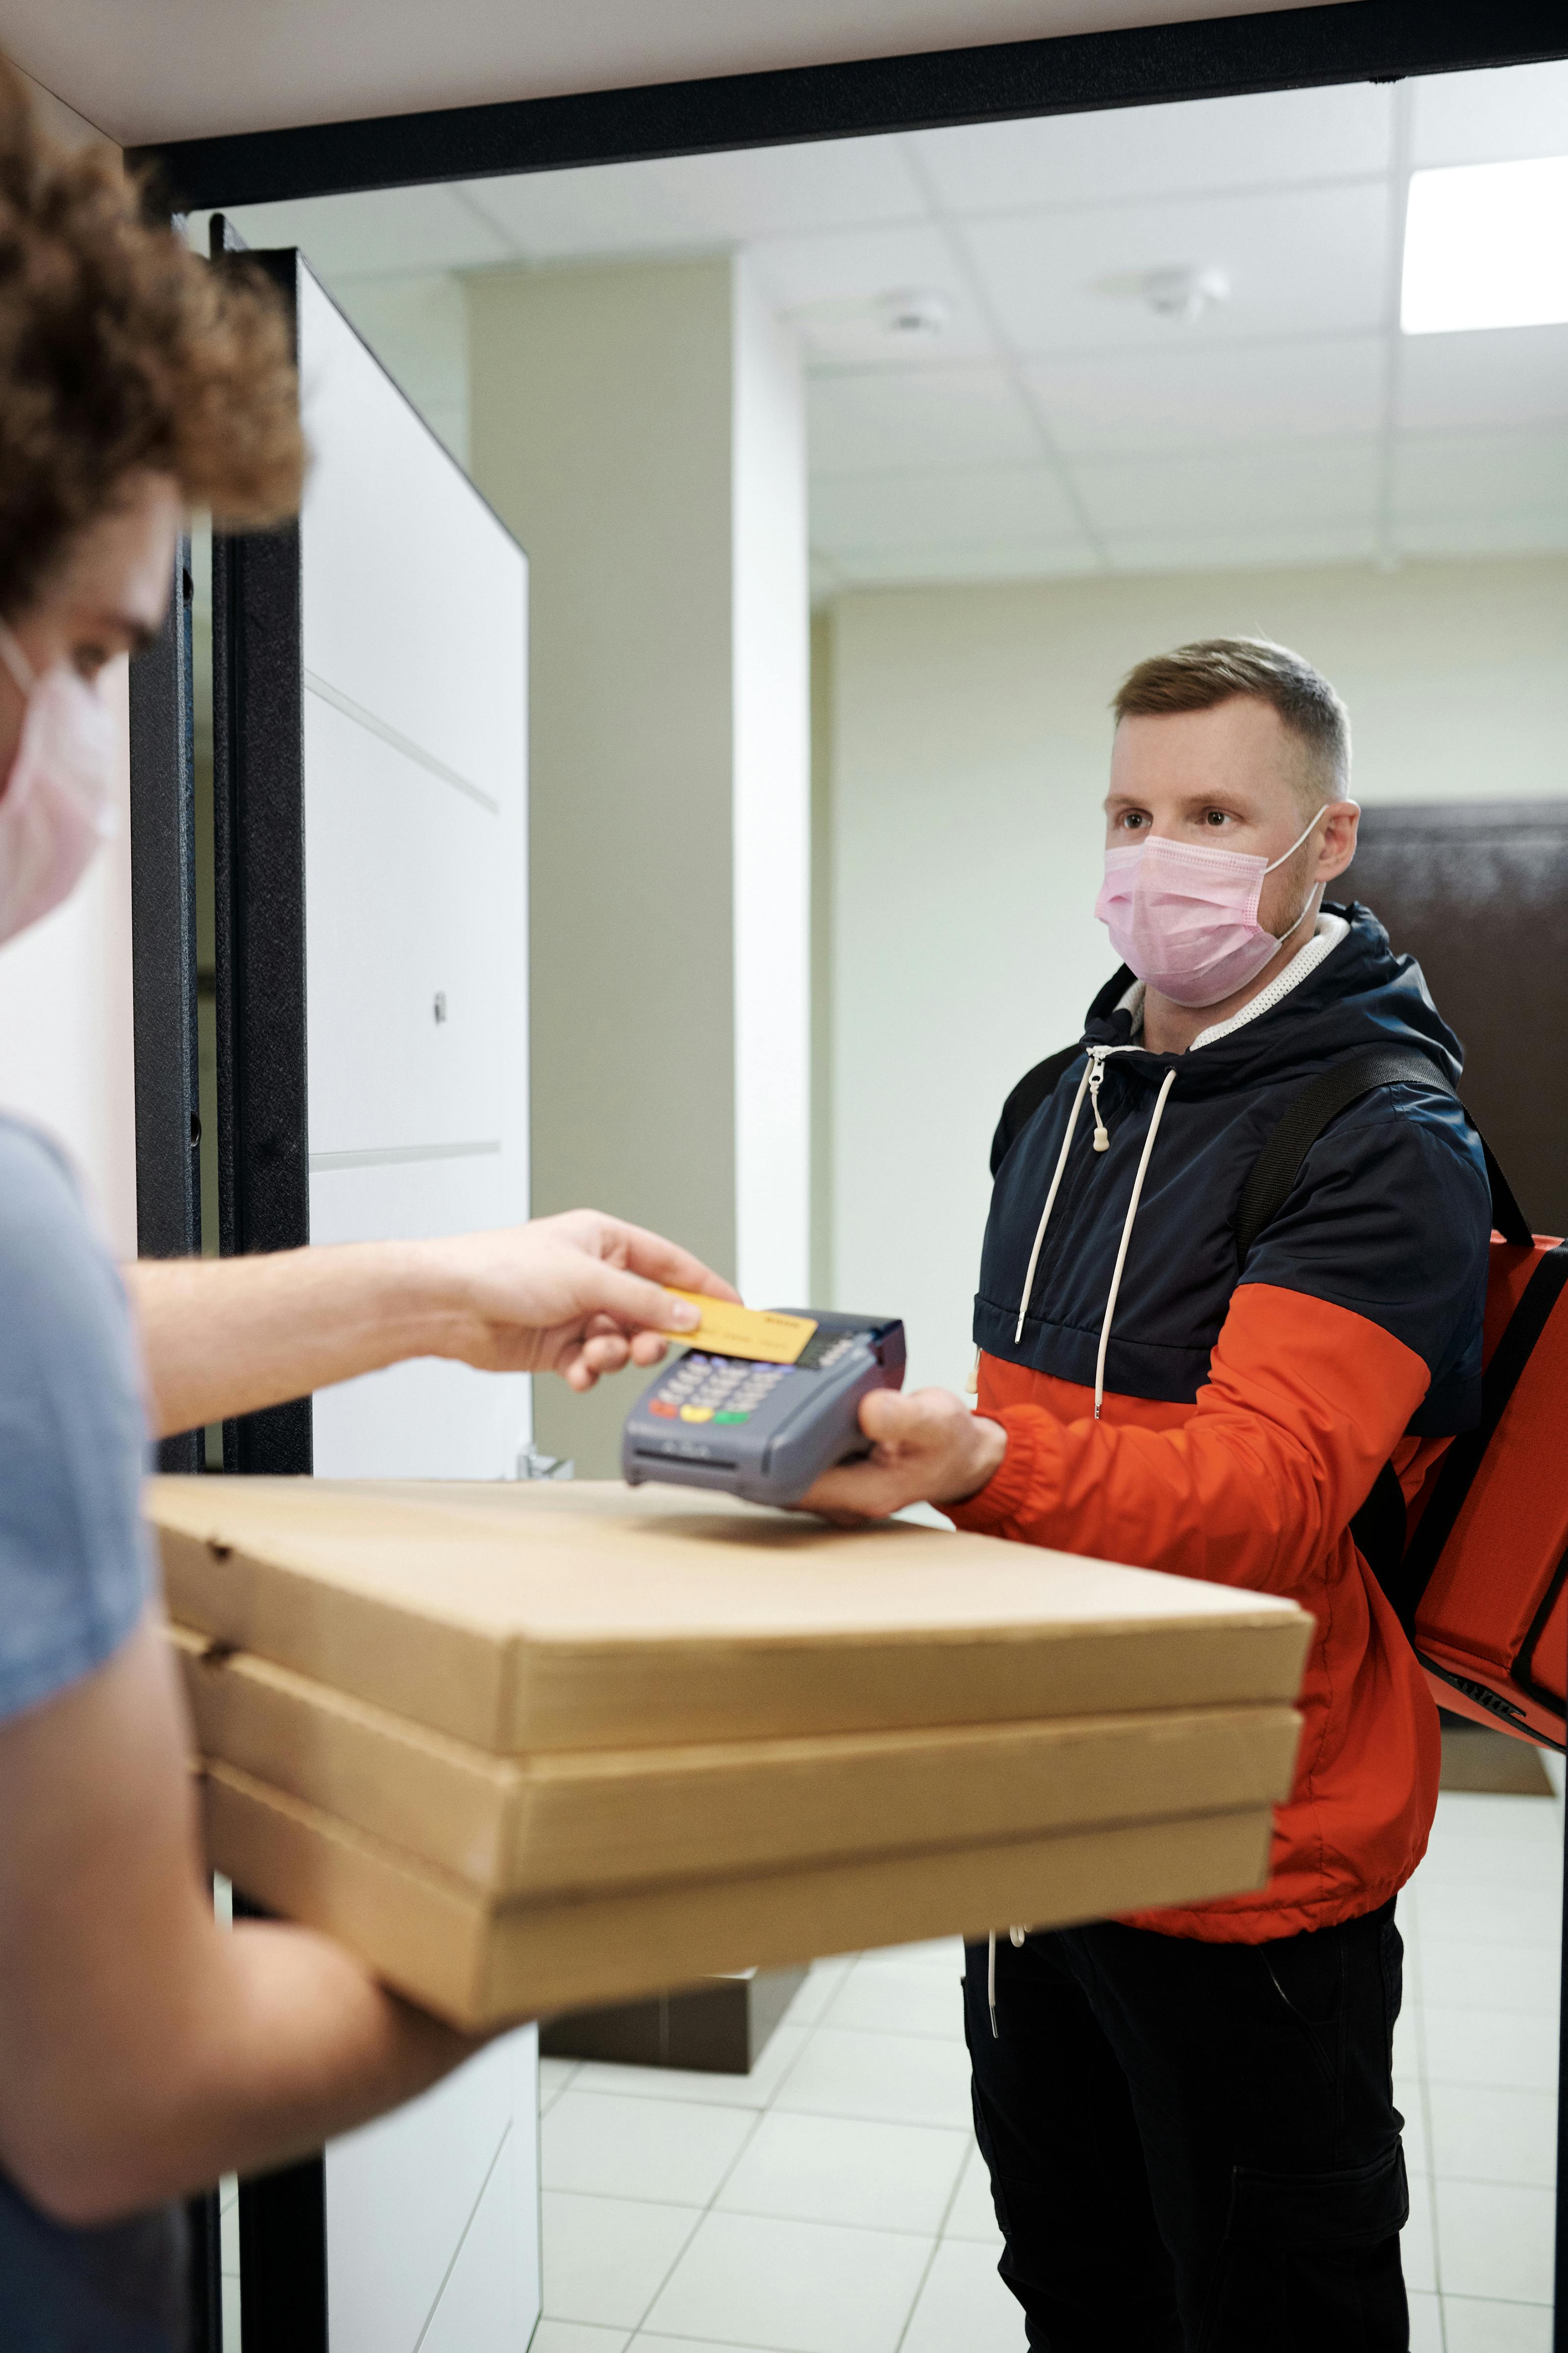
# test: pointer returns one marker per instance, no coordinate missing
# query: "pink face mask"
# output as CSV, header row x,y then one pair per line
x,y
1184,917
55,804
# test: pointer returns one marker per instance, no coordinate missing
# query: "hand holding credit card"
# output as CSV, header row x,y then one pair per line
x,y
760,1333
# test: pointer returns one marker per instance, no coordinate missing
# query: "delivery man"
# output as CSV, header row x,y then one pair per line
x,y
143,2052
1188,2117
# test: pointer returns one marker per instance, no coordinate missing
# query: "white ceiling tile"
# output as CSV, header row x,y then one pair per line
x,y
830,287
1260,548
391,229
1511,531
971,414
692,200
1193,395
1067,159
918,567
606,208
1508,376
1226,490
938,509
1480,473
1306,261
1512,112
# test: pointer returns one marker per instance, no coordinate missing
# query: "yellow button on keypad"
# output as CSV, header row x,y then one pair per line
x,y
696,1413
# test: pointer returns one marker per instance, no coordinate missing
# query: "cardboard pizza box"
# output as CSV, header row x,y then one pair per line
x,y
566,1822
437,1941
552,1618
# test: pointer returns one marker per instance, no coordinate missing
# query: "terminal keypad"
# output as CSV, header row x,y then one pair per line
x,y
725,1389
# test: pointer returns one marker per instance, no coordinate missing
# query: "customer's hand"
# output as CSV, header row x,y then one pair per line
x,y
579,1295
926,1448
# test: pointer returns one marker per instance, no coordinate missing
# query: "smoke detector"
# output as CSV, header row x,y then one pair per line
x,y
1185,294
913,314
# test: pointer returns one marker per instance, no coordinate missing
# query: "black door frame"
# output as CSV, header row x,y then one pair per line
x,y
1341,41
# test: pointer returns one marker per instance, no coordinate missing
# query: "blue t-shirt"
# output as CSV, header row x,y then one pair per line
x,y
75,1577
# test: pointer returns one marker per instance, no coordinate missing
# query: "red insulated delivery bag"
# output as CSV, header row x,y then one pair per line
x,y
1478,1567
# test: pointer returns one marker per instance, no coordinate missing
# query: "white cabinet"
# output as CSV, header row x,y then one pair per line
x,y
414,615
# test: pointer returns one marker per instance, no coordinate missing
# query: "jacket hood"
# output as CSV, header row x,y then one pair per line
x,y
1362,994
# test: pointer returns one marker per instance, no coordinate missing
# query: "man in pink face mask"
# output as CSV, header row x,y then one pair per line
x,y
1206,895
1188,2117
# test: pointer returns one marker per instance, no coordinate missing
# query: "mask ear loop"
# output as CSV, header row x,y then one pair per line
x,y
1295,846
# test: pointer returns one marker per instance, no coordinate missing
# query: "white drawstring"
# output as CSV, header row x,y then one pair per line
x,y
1096,1057
1126,1237
1016,1936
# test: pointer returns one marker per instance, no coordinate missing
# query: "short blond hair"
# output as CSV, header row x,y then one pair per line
x,y
1216,669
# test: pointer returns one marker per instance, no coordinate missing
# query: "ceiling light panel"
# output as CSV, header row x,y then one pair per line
x,y
1213,143
1306,261
1486,246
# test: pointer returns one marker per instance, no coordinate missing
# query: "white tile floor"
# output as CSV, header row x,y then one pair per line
x,y
832,2202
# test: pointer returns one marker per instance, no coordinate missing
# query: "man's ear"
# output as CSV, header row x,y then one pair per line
x,y
1339,839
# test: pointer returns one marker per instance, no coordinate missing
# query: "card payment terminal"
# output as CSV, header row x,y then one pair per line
x,y
764,1431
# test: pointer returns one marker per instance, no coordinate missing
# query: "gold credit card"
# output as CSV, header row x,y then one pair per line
x,y
759,1332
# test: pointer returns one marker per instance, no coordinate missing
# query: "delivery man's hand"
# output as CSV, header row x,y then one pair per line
x,y
926,1448
578,1294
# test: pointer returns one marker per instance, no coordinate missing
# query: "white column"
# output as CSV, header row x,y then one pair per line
x,y
640,428
771,795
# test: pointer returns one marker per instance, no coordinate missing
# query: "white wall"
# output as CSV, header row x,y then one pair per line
x,y
67,1053
969,741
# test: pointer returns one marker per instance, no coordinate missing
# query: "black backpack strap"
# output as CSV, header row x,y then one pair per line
x,y
1322,1099
1303,1120
1025,1100
1379,1527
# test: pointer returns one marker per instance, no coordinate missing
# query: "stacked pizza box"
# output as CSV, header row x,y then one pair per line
x,y
528,1747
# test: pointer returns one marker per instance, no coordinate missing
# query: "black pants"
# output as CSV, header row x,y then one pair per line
x,y
1194,2147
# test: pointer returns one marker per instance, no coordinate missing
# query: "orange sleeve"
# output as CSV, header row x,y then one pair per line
x,y
1304,1403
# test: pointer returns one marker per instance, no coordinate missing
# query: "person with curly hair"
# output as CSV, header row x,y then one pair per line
x,y
142,2052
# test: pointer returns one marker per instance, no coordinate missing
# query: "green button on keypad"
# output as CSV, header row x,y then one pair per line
x,y
732,1417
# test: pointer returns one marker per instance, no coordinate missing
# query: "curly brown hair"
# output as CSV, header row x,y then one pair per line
x,y
122,352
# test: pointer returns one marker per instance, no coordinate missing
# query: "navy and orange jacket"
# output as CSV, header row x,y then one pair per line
x,y
1245,1420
